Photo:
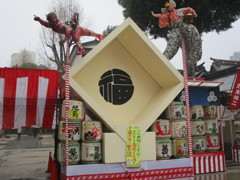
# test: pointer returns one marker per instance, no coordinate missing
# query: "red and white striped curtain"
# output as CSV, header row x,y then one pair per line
x,y
27,97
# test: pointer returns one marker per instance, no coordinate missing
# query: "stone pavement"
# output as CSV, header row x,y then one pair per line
x,y
232,173
27,159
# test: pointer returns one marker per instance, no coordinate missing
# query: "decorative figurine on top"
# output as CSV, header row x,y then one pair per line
x,y
71,29
181,22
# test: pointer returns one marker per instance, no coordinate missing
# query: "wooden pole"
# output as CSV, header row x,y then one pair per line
x,y
67,101
187,99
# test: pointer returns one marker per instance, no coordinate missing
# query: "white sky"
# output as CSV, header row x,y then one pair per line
x,y
19,30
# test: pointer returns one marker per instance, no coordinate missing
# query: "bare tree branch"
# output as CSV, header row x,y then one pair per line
x,y
51,48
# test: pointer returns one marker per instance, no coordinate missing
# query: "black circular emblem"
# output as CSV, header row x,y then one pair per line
x,y
116,86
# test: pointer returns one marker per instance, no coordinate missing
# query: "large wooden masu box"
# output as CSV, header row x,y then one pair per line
x,y
156,83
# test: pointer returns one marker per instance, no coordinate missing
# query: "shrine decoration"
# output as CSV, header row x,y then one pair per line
x,y
188,113
234,102
67,100
28,98
133,147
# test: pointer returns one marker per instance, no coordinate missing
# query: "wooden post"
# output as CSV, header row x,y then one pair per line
x,y
187,99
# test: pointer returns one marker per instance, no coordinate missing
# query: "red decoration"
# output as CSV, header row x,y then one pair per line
x,y
236,154
27,97
161,131
235,98
169,173
71,30
209,162
164,19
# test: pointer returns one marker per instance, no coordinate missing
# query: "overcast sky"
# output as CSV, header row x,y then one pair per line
x,y
19,30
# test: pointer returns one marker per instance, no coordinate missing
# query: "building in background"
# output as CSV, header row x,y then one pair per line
x,y
25,56
235,56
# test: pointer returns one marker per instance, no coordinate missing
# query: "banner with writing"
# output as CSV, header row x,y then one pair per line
x,y
133,147
235,97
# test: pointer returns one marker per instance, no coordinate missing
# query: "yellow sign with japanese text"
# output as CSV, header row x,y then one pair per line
x,y
72,113
133,147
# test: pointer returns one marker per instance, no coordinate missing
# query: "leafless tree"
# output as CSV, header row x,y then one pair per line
x,y
50,47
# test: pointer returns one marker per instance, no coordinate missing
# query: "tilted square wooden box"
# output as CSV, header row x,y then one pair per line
x,y
126,80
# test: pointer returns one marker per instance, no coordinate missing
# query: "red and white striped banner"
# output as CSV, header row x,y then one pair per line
x,y
170,173
27,97
236,154
111,176
209,162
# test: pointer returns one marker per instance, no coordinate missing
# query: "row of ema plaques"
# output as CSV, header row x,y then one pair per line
x,y
171,135
84,145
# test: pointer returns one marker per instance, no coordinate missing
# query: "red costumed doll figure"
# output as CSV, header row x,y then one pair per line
x,y
169,17
95,131
180,21
71,30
